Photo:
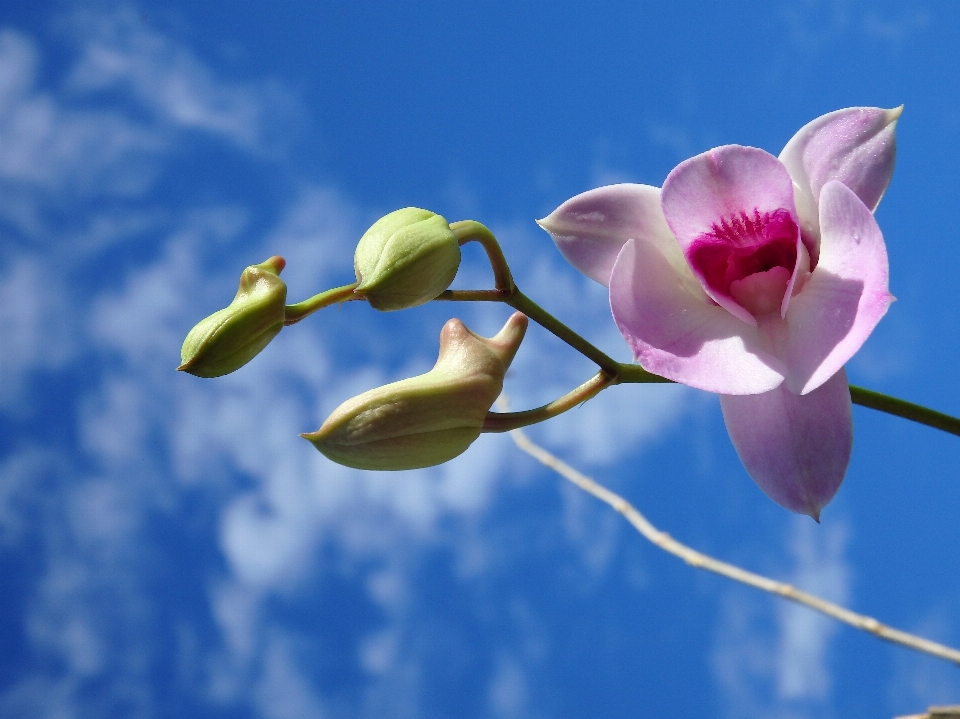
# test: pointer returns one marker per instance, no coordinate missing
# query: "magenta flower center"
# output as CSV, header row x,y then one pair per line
x,y
749,259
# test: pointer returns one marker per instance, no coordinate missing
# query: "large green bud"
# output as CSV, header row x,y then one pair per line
x,y
428,419
405,259
231,337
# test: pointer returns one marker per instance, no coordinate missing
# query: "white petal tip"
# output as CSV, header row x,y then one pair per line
x,y
894,114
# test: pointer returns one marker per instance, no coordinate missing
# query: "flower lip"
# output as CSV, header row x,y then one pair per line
x,y
742,246
732,212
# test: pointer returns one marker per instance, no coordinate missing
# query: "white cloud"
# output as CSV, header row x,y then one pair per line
x,y
86,614
283,692
779,666
802,655
814,24
19,474
508,689
120,52
675,138
33,323
895,31
920,681
150,441
47,144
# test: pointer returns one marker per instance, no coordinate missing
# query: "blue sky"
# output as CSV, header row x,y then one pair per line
x,y
170,547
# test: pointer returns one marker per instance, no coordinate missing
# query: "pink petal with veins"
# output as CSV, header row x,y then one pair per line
x,y
731,209
590,229
845,297
795,447
675,331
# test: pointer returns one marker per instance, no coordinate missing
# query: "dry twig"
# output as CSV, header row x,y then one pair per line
x,y
702,561
936,713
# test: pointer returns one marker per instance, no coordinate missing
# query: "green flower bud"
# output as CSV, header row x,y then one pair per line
x,y
231,337
405,259
429,419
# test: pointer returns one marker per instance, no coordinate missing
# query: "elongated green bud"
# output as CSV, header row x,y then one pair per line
x,y
231,337
405,259
428,419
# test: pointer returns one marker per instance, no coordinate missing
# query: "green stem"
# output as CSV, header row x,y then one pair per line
x,y
531,309
907,410
472,296
635,374
295,313
620,372
471,231
506,421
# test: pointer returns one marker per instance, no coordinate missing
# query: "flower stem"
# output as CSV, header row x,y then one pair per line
x,y
472,296
635,374
472,231
506,421
907,410
295,313
531,309
622,372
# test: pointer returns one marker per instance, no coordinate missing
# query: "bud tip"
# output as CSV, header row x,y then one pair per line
x,y
275,263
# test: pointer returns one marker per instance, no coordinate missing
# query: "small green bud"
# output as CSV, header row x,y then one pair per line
x,y
405,259
231,337
429,419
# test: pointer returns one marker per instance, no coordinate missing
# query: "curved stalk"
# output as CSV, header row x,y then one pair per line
x,y
531,309
907,410
472,296
506,421
635,374
295,313
624,373
472,231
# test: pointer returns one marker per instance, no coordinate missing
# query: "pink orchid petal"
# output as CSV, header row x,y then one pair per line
x,y
795,447
720,183
845,297
726,184
856,146
590,229
676,332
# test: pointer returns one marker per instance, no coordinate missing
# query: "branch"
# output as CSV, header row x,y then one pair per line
x,y
702,561
505,421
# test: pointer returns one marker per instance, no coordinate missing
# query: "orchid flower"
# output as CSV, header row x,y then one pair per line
x,y
757,278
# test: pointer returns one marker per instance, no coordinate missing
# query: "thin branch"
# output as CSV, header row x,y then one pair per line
x,y
907,410
297,312
702,561
624,373
505,421
531,309
952,712
472,231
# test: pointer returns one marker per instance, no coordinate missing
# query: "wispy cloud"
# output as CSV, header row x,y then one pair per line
x,y
49,145
779,665
897,30
802,653
121,53
920,681
813,24
151,482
